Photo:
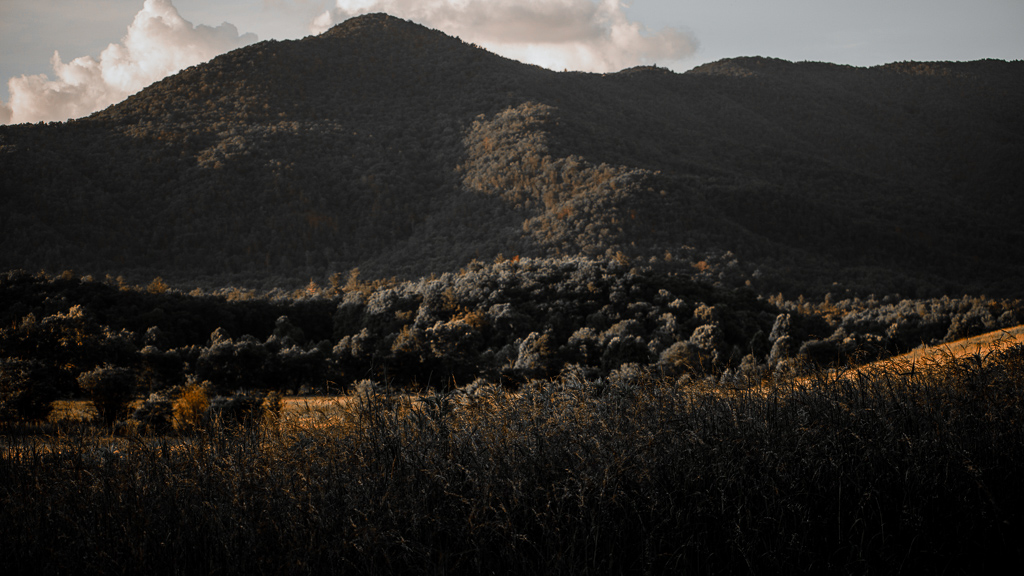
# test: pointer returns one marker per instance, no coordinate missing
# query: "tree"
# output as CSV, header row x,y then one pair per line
x,y
157,286
25,390
111,390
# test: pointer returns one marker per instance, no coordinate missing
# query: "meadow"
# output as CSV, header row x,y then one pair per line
x,y
903,466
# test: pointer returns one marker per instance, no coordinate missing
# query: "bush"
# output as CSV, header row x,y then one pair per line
x,y
111,390
682,358
25,393
243,409
191,406
820,352
273,403
155,415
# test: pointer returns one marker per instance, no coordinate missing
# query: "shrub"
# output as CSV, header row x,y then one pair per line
x,y
155,415
111,390
710,340
820,352
243,409
161,370
157,286
682,358
273,403
190,408
534,355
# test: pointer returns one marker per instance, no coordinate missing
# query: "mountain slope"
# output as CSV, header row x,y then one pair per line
x,y
384,145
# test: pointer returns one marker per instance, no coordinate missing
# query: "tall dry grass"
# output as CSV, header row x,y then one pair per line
x,y
899,469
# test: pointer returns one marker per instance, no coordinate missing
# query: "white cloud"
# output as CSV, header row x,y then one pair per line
x,y
159,42
574,34
592,35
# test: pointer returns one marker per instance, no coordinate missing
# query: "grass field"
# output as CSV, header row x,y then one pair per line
x,y
977,345
884,470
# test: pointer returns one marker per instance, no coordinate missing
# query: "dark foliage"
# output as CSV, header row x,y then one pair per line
x,y
26,393
509,321
399,150
111,390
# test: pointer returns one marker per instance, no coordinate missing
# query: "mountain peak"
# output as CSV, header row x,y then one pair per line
x,y
374,23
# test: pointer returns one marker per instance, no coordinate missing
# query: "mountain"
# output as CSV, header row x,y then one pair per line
x,y
399,150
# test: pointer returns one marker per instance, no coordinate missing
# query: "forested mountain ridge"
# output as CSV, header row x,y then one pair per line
x,y
387,146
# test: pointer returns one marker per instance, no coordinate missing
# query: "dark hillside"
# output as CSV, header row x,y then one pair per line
x,y
388,146
325,154
906,168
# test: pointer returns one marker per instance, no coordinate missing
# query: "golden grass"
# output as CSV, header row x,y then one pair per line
x,y
982,344
927,359
72,410
314,412
840,472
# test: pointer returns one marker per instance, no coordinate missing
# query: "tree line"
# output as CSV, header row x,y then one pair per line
x,y
506,322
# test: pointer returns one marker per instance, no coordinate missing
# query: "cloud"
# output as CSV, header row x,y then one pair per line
x,y
574,34
159,42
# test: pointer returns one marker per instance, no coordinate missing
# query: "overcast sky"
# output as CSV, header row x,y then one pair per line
x,y
109,49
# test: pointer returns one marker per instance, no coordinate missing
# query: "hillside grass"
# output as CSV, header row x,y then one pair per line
x,y
294,407
981,344
886,470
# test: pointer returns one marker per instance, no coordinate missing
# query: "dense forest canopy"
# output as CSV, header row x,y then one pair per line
x,y
396,149
509,322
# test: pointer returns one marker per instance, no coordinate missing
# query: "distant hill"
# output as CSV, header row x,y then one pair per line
x,y
399,150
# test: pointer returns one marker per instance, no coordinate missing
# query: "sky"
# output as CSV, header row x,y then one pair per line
x,y
63,59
